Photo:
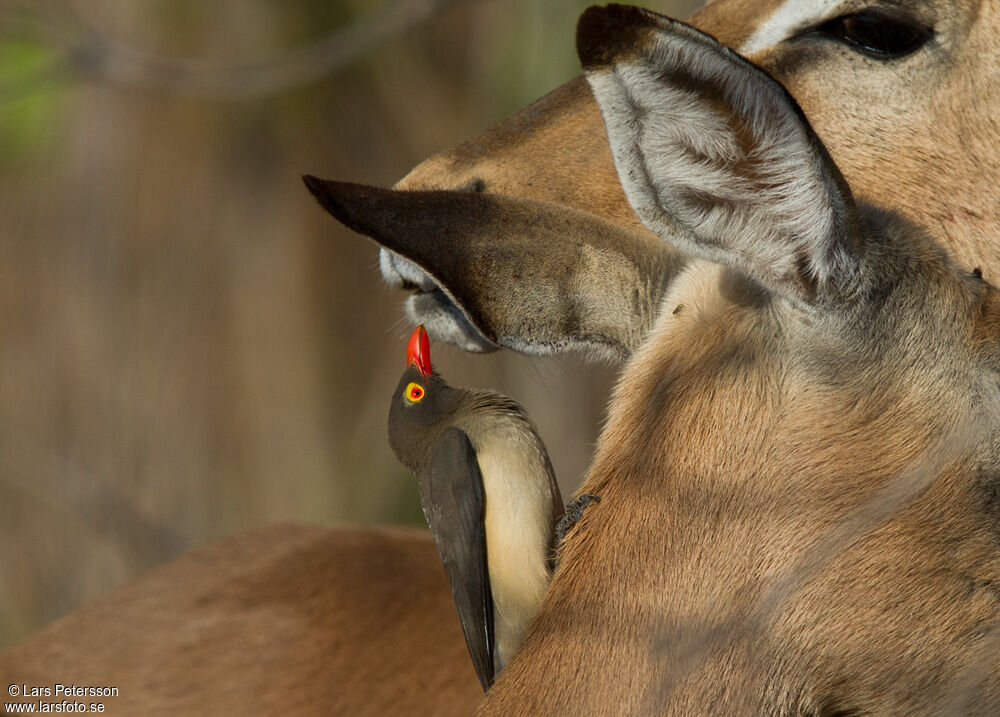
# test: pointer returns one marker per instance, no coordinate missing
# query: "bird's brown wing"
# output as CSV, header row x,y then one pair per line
x,y
454,505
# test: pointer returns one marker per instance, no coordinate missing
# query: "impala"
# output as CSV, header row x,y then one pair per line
x,y
800,467
322,614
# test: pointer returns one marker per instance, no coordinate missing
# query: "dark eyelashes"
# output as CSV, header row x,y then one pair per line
x,y
875,34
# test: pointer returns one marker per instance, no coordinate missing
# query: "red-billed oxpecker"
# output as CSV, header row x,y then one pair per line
x,y
490,498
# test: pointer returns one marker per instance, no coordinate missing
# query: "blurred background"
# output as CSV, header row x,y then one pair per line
x,y
189,345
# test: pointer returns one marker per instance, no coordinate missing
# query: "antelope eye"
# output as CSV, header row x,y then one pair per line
x,y
414,392
876,35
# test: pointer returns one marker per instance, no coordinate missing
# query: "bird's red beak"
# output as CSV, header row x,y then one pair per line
x,y
418,351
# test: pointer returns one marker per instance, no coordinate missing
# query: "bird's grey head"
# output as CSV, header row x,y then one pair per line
x,y
423,405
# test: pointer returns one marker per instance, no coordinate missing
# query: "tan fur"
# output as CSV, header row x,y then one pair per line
x,y
286,620
725,460
554,150
799,509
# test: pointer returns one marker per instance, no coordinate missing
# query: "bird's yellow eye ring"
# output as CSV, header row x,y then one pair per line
x,y
414,392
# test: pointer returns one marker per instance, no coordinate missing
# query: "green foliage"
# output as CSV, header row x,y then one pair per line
x,y
29,96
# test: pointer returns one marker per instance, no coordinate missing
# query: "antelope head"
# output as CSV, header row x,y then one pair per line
x,y
903,95
801,464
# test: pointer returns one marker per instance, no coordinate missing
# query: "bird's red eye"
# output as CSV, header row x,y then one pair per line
x,y
414,392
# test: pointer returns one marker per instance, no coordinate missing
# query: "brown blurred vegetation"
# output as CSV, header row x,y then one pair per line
x,y
189,346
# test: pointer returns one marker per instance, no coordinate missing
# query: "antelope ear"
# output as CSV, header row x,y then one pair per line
x,y
492,271
715,156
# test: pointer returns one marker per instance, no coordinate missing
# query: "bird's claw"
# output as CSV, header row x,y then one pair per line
x,y
574,511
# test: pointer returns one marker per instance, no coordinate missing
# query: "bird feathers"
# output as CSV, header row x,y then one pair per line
x,y
452,496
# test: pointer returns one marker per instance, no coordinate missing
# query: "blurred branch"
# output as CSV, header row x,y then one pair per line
x,y
90,53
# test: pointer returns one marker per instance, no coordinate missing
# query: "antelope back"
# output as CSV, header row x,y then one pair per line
x,y
288,620
904,96
800,467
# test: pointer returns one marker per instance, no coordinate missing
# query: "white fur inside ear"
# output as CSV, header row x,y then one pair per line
x,y
431,305
714,156
398,272
444,321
